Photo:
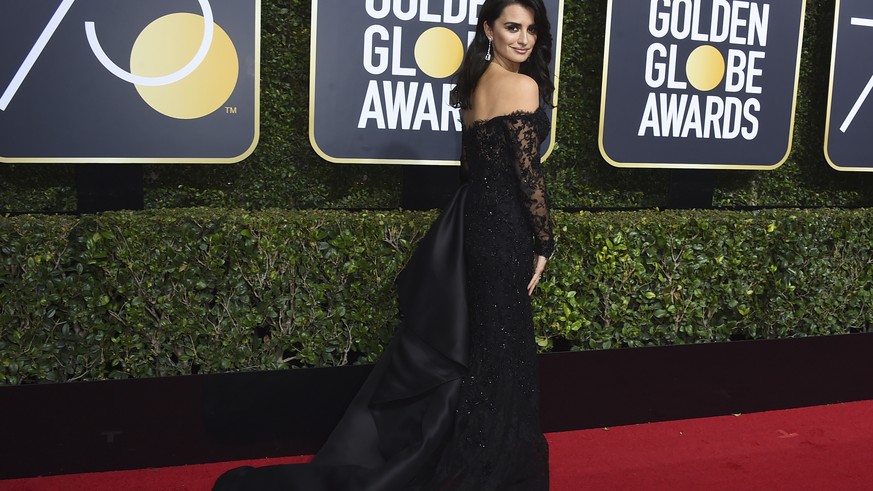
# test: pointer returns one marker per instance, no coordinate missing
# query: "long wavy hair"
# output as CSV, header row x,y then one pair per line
x,y
474,64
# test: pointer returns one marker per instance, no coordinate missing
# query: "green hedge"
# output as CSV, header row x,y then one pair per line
x,y
284,172
159,293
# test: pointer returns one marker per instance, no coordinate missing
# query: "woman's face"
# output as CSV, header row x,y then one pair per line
x,y
513,36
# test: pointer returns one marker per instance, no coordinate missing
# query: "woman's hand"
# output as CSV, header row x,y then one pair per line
x,y
539,267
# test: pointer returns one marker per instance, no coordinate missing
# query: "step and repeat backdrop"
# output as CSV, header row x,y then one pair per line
x,y
381,75
700,83
133,81
848,143
704,84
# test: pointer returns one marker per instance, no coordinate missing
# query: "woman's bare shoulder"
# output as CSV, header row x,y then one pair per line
x,y
500,93
517,92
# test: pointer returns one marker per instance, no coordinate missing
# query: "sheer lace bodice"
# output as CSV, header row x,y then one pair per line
x,y
506,150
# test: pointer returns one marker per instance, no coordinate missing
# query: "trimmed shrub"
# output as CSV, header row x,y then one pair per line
x,y
156,293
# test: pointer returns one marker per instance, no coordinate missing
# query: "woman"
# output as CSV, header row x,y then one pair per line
x,y
453,402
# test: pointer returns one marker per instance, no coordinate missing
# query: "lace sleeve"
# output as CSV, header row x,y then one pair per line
x,y
525,132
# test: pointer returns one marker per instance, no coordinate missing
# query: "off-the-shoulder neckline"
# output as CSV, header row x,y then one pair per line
x,y
513,114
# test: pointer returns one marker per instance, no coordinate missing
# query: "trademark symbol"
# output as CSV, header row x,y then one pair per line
x,y
110,435
230,109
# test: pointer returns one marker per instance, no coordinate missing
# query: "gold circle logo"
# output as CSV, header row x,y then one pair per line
x,y
168,44
439,52
705,68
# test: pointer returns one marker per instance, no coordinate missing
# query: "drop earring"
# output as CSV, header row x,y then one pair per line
x,y
488,53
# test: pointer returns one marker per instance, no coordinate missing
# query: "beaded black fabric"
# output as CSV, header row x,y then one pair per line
x,y
500,157
496,442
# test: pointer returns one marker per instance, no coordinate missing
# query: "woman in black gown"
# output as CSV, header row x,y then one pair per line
x,y
453,404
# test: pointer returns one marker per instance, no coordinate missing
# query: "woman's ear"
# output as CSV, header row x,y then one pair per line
x,y
488,31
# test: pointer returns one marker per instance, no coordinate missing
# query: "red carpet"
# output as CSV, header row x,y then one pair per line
x,y
815,448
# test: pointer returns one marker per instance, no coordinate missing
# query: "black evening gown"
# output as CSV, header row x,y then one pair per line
x,y
453,404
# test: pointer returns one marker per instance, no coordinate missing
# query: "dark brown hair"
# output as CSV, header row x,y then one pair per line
x,y
536,66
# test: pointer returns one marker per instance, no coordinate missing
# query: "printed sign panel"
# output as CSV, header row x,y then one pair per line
x,y
707,84
129,81
848,146
381,73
